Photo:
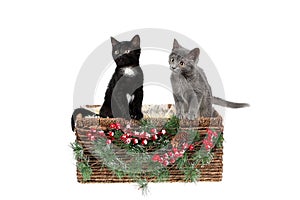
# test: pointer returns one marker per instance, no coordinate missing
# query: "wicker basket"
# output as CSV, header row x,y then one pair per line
x,y
101,174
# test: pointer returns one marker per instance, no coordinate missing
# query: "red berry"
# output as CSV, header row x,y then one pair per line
x,y
135,133
207,147
111,134
170,154
156,158
93,130
127,135
148,135
174,150
185,145
118,126
89,134
101,133
112,126
123,137
191,147
165,162
144,142
135,141
92,138
209,137
177,154
211,133
108,141
153,130
128,140
207,144
166,156
154,137
161,160
172,160
215,134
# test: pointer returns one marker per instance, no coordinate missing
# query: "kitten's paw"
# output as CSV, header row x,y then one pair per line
x,y
180,116
105,112
137,116
191,116
127,117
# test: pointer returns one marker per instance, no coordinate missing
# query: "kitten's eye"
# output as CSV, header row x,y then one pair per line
x,y
172,60
181,63
126,51
116,52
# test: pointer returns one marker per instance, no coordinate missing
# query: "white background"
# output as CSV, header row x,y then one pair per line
x,y
254,45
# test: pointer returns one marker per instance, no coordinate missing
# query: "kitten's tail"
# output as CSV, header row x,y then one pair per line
x,y
222,102
83,112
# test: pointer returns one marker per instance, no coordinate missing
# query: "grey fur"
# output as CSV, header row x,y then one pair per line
x,y
222,102
191,90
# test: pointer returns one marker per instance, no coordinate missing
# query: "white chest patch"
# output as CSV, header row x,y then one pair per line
x,y
129,97
129,72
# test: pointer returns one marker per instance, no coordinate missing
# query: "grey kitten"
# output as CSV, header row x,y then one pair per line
x,y
191,90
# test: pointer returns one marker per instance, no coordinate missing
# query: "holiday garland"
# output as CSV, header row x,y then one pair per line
x,y
82,161
147,152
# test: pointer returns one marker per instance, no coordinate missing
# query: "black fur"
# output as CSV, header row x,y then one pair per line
x,y
83,112
126,56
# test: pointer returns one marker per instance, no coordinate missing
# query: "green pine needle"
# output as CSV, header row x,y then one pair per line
x,y
120,174
77,150
82,161
162,175
219,143
172,125
85,170
182,162
143,185
139,158
191,174
203,157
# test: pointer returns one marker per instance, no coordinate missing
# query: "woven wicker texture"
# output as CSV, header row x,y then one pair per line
x,y
101,174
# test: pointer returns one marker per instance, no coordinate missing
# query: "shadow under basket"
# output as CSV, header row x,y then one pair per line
x,y
103,174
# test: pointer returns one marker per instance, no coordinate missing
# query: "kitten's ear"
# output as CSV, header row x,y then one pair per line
x,y
135,41
176,45
114,42
194,54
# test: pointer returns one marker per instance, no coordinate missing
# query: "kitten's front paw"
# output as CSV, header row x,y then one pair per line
x,y
191,116
180,116
137,116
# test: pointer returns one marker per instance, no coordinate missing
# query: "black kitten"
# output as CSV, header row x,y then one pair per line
x,y
124,94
